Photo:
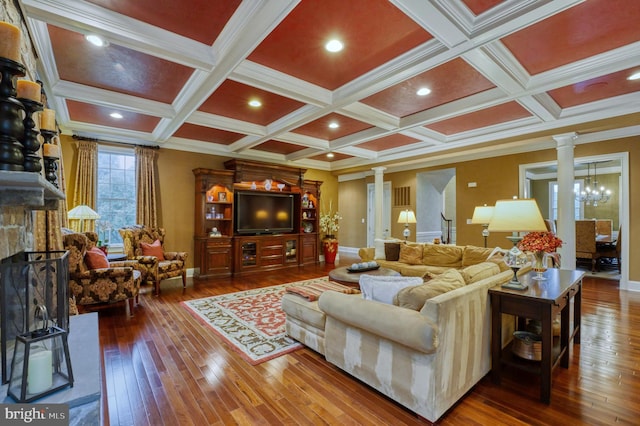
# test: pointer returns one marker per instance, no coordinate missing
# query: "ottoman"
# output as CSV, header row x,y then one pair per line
x,y
305,321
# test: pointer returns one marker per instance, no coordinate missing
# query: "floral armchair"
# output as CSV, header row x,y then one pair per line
x,y
120,281
152,268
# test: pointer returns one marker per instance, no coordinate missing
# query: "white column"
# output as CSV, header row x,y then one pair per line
x,y
378,199
566,228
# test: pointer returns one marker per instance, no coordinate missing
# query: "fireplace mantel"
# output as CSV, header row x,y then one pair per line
x,y
28,189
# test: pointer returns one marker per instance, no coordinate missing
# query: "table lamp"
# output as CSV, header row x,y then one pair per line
x,y
406,216
516,215
82,213
482,215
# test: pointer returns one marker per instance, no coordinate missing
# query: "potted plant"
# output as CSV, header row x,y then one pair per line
x,y
329,225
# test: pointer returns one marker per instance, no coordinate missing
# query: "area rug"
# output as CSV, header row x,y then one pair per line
x,y
251,322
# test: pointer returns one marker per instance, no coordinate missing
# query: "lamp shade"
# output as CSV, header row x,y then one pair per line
x,y
407,216
482,214
82,212
517,215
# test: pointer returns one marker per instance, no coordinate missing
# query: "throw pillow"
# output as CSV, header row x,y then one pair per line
x,y
410,254
473,255
383,289
498,259
480,271
415,297
96,259
443,255
378,244
392,251
153,249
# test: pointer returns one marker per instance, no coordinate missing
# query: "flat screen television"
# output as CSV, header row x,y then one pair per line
x,y
263,212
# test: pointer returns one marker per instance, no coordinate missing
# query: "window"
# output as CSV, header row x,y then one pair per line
x,y
553,200
116,192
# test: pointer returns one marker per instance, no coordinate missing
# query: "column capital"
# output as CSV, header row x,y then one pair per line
x,y
565,139
379,169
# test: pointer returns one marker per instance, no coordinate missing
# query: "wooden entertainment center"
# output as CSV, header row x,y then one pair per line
x,y
221,249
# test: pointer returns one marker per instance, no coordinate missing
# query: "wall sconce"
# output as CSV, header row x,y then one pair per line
x,y
41,364
407,216
482,215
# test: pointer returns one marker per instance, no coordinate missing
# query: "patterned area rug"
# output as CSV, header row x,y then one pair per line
x,y
251,321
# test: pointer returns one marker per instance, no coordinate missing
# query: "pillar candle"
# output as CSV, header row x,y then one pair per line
x,y
9,41
50,150
29,90
40,374
48,119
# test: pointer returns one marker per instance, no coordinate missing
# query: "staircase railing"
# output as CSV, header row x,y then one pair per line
x,y
446,226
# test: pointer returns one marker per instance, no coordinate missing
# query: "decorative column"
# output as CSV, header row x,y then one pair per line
x,y
379,195
566,229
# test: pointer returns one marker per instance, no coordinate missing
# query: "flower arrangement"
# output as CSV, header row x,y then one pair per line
x,y
540,241
329,222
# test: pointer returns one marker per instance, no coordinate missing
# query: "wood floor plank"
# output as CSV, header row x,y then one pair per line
x,y
163,367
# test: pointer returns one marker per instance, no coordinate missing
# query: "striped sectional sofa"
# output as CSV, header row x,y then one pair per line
x,y
424,359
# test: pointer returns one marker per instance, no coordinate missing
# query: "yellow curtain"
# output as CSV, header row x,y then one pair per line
x,y
146,209
86,181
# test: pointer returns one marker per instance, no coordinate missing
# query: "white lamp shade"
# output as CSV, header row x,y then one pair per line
x,y
482,214
517,215
407,216
82,212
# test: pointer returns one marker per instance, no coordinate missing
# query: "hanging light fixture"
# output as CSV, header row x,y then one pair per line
x,y
592,194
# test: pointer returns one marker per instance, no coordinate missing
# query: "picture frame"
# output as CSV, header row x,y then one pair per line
x,y
209,198
222,196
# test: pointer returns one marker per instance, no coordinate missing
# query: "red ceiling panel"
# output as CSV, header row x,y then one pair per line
x,y
116,68
582,31
201,133
495,115
201,20
320,128
448,82
99,115
296,46
388,142
596,89
278,147
481,6
231,100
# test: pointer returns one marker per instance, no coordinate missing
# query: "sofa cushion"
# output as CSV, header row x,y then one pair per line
x,y
383,289
392,251
498,259
415,297
442,255
480,271
473,255
411,254
378,244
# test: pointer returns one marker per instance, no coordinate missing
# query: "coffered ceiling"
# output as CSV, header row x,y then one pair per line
x,y
182,73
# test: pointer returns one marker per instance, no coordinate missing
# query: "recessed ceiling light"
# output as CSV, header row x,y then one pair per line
x,y
330,155
255,103
333,125
115,115
423,91
634,76
96,40
334,45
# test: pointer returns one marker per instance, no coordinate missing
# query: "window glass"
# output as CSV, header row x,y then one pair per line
x,y
116,193
553,200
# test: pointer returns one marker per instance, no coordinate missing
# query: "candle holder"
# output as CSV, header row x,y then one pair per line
x,y
50,162
30,142
11,125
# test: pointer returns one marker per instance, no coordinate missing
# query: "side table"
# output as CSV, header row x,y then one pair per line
x,y
542,301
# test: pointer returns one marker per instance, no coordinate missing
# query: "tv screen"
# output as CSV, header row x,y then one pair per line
x,y
263,212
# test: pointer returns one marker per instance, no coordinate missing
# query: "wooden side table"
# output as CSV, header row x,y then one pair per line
x,y
542,301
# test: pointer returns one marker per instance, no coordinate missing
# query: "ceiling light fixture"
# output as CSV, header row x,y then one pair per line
x,y
334,45
423,91
330,155
115,115
255,103
96,40
333,125
634,76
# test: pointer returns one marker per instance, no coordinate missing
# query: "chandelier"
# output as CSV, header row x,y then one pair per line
x,y
592,194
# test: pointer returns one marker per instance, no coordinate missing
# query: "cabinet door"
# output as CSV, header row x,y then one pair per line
x,y
309,248
218,256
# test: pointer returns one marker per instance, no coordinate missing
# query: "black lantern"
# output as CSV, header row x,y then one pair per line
x,y
41,363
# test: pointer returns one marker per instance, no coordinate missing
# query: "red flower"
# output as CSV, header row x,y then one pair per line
x,y
540,241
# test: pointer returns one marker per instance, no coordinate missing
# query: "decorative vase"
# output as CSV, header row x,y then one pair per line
x,y
539,264
330,248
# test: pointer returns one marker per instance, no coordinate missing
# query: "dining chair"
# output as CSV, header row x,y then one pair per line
x,y
586,248
612,251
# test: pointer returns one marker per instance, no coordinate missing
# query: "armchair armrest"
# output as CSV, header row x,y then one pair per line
x,y
108,273
123,263
147,260
176,255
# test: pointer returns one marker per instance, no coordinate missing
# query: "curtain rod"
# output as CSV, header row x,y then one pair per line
x,y
83,138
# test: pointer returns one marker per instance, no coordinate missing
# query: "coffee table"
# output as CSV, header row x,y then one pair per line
x,y
343,276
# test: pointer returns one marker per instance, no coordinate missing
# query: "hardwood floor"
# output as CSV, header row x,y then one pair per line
x,y
162,367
